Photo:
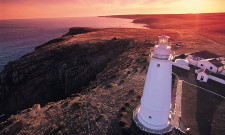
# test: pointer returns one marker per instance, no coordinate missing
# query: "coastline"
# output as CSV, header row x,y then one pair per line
x,y
206,25
110,66
19,37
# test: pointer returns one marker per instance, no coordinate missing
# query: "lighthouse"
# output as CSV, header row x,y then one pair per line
x,y
153,113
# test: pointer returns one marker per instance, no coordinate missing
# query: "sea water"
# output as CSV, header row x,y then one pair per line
x,y
21,36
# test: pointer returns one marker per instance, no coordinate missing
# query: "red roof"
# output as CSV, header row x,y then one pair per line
x,y
205,54
205,70
216,63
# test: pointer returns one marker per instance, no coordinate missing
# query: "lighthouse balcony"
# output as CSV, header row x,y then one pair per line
x,y
167,44
162,57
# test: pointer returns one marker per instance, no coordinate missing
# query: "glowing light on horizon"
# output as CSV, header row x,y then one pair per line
x,y
76,8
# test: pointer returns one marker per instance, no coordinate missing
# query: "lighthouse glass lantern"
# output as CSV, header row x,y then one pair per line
x,y
154,110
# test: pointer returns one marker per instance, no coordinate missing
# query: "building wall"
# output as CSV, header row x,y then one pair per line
x,y
223,72
181,66
205,79
189,56
207,64
193,62
217,79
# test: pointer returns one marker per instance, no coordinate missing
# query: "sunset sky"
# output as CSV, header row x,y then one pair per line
x,y
22,9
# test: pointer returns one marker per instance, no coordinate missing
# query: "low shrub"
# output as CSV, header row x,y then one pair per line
x,y
182,56
126,130
110,85
54,128
123,108
59,132
66,130
139,96
122,81
127,104
62,125
122,122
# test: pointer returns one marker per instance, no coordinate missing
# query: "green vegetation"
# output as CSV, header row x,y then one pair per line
x,y
58,129
123,108
15,117
139,96
182,56
78,103
62,125
122,122
66,130
113,76
144,67
136,70
127,104
145,60
99,117
54,128
110,85
122,81
59,132
133,100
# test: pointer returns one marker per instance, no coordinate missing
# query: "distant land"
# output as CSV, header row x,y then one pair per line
x,y
89,81
206,25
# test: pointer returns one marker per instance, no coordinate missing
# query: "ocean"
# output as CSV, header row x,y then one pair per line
x,y
20,36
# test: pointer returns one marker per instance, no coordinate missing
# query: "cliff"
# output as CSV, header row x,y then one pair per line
x,y
53,71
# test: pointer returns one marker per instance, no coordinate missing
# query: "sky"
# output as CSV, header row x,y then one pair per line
x,y
24,9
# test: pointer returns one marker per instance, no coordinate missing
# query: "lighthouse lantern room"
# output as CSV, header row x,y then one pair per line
x,y
153,113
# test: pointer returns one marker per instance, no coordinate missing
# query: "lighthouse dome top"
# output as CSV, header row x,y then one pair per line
x,y
163,36
163,41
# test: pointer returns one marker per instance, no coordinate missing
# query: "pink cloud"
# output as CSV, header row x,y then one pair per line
x,y
39,1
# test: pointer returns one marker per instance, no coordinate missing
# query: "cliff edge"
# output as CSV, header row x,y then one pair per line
x,y
54,71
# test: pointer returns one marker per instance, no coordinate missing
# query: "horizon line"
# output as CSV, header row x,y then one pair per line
x,y
110,15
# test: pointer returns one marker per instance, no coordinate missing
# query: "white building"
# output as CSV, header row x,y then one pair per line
x,y
154,110
203,75
212,65
182,62
193,58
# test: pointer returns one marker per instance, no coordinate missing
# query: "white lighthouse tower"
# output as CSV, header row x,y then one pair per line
x,y
153,113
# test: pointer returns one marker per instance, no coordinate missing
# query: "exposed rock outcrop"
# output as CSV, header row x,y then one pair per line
x,y
72,31
53,72
80,30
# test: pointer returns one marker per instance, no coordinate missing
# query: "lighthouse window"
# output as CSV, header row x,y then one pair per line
x,y
158,65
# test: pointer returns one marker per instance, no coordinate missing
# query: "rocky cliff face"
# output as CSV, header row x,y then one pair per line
x,y
54,71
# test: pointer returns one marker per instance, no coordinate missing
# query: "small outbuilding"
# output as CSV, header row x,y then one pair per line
x,y
182,62
212,65
194,58
203,55
203,75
